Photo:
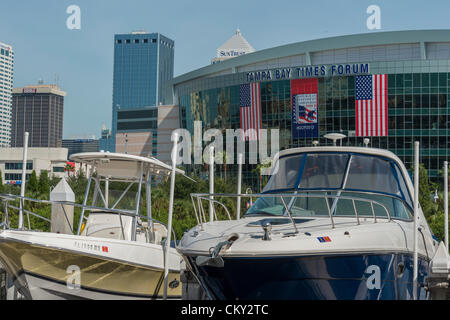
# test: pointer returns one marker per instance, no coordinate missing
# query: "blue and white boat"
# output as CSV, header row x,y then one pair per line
x,y
332,223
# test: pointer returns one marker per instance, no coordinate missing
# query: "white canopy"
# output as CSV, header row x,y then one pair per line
x,y
122,166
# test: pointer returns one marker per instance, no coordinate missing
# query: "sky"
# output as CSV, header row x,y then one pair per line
x,y
81,61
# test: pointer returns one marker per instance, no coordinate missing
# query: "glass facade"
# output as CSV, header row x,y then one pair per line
x,y
143,63
80,145
41,114
418,109
18,165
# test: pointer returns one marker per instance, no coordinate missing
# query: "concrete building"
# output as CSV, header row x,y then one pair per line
x,y
143,64
416,65
6,87
38,110
80,145
168,120
53,160
157,142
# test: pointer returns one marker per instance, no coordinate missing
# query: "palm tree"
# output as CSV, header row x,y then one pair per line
x,y
267,163
223,155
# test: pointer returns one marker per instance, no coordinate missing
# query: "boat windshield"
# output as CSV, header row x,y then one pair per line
x,y
312,176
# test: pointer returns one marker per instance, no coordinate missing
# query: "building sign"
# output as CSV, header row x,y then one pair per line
x,y
305,108
309,72
230,53
19,182
29,90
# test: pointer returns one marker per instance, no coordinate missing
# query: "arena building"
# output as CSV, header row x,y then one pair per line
x,y
416,92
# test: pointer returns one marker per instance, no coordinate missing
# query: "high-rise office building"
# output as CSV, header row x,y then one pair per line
x,y
143,64
80,145
38,110
105,141
6,85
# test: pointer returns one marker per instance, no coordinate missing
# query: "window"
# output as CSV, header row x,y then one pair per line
x,y
119,41
153,40
15,176
128,41
136,40
17,165
324,171
137,125
58,169
145,40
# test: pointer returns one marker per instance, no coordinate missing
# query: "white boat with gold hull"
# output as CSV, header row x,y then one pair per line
x,y
115,253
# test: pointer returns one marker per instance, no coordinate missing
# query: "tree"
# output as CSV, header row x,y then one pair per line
x,y
267,163
223,156
33,184
425,190
434,213
44,184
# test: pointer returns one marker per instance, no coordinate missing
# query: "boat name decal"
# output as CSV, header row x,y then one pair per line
x,y
324,239
90,246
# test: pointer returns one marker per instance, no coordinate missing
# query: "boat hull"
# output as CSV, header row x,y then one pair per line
x,y
42,272
385,276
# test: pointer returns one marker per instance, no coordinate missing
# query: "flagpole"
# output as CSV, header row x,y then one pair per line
x,y
239,187
416,218
170,215
211,183
24,178
446,202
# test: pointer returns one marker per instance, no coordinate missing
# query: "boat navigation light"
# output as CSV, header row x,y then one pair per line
x,y
335,137
315,143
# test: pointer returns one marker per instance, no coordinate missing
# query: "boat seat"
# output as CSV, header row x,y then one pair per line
x,y
159,231
108,225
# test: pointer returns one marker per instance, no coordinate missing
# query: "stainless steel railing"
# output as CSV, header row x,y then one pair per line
x,y
7,198
199,198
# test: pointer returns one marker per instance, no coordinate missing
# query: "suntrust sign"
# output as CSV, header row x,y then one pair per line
x,y
230,53
309,72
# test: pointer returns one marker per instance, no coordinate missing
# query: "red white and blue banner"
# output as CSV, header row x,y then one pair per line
x,y
371,105
305,108
250,109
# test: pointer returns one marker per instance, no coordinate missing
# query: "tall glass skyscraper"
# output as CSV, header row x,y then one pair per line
x,y
143,63
6,85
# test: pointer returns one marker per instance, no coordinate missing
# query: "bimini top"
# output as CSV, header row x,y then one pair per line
x,y
352,169
122,166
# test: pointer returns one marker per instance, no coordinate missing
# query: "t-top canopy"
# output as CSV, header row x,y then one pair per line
x,y
122,166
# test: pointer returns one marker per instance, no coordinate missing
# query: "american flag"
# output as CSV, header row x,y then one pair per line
x,y
250,109
371,105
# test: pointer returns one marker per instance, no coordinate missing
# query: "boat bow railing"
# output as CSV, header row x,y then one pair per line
x,y
198,200
5,199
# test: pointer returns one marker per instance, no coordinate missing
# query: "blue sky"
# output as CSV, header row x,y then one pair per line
x,y
82,59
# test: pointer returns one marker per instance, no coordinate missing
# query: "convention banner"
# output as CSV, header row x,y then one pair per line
x,y
305,113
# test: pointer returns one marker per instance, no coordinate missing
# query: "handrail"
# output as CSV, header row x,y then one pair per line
x,y
10,197
5,198
216,201
205,196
